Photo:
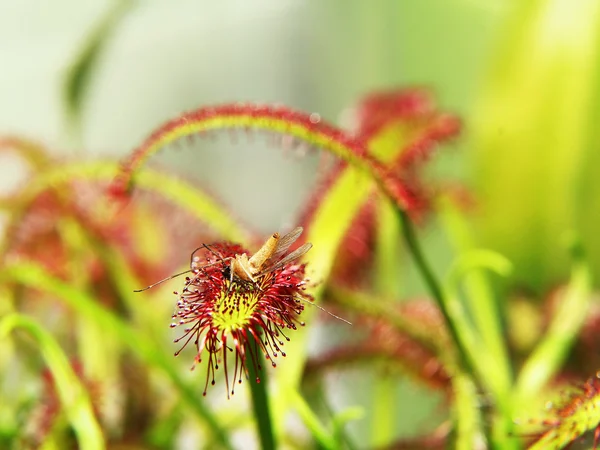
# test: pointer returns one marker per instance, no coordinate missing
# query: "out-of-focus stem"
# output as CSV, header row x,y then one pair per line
x,y
434,287
260,404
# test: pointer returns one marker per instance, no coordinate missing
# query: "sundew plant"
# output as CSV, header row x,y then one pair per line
x,y
140,311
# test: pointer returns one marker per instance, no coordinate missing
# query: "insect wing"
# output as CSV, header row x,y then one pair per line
x,y
300,251
285,243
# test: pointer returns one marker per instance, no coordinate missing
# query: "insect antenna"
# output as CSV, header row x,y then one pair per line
x,y
324,310
162,281
181,273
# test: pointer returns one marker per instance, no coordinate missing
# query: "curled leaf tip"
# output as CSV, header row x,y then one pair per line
x,y
577,415
306,127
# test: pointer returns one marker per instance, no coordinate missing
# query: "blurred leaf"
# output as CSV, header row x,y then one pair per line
x,y
327,229
81,70
491,354
325,438
342,419
470,268
73,395
566,323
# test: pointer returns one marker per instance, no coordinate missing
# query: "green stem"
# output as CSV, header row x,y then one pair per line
x,y
466,413
320,433
260,401
434,287
383,421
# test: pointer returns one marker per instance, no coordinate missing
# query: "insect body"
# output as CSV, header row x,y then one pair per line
x,y
269,257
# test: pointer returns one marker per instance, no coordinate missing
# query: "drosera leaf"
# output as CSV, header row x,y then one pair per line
x,y
578,415
72,394
308,128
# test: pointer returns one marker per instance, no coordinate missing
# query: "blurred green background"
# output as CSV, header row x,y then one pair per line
x,y
523,76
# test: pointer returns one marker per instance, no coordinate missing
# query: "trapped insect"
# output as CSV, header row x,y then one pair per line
x,y
269,257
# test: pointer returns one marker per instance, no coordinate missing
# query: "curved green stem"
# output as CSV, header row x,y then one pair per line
x,y
433,285
72,394
319,432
